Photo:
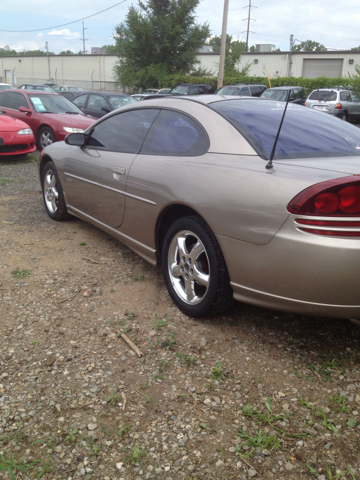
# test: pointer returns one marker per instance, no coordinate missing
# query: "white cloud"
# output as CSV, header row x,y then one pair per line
x,y
21,46
65,33
40,34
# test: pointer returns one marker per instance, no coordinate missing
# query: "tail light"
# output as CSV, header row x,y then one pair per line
x,y
337,106
339,197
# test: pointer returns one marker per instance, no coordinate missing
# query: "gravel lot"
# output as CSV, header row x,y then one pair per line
x,y
251,394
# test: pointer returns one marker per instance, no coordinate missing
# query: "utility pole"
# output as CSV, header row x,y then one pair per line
x,y
248,27
47,53
223,45
83,38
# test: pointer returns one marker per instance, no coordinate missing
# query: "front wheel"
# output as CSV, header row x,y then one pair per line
x,y
53,193
194,268
45,137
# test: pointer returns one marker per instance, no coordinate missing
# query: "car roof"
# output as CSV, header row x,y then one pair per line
x,y
285,87
42,92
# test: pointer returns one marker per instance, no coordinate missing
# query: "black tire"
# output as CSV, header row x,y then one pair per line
x,y
345,116
201,260
45,136
53,194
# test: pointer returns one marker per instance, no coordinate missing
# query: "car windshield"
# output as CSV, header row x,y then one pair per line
x,y
180,90
4,87
75,88
119,101
325,95
228,91
305,133
275,94
53,104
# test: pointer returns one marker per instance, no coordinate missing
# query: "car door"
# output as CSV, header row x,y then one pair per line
x,y
95,105
96,174
12,102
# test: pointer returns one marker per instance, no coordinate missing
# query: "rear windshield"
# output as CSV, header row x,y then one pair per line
x,y
275,94
228,91
326,96
305,133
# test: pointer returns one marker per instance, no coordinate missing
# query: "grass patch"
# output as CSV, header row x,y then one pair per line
x,y
19,274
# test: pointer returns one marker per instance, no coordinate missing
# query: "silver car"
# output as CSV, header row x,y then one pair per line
x,y
187,182
340,102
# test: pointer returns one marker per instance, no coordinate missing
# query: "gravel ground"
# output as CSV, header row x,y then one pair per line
x,y
251,394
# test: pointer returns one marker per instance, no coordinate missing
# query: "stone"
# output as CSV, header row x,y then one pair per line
x,y
92,426
251,473
289,467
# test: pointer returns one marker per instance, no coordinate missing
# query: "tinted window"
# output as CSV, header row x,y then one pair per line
x,y
325,95
80,101
275,94
2,99
256,91
244,91
174,133
305,132
302,93
228,91
124,132
15,100
96,102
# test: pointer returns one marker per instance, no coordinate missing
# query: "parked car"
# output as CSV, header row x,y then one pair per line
x,y
50,116
98,104
192,89
140,96
35,87
50,84
297,94
242,89
64,88
341,102
156,91
16,137
186,183
5,86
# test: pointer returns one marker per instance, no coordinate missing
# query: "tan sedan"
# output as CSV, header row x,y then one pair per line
x,y
183,182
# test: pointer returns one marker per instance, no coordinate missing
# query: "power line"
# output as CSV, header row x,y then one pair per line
x,y
64,24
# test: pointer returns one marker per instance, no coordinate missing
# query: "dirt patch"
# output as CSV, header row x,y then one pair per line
x,y
253,393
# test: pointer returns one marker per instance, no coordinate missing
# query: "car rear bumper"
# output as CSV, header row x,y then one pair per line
x,y
297,272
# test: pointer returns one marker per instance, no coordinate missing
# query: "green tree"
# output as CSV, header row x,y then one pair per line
x,y
355,48
112,49
66,52
309,46
158,39
233,51
7,51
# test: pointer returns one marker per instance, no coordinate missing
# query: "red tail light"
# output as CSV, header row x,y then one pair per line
x,y
339,197
338,105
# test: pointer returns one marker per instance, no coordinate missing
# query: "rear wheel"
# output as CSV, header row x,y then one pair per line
x,y
345,116
53,194
194,268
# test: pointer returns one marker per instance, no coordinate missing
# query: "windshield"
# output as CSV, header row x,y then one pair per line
x,y
305,132
53,104
180,90
275,94
75,88
324,95
119,101
228,91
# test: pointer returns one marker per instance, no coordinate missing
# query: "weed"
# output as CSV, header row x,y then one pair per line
x,y
339,400
112,290
186,359
163,364
35,342
143,386
105,430
321,414
18,274
217,372
330,475
140,278
111,321
124,430
171,340
181,397
73,436
206,428
148,399
129,315
4,181
306,377
159,323
134,455
95,450
311,469
82,243
113,398
261,440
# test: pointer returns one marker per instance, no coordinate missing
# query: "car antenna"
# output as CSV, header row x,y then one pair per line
x,y
269,164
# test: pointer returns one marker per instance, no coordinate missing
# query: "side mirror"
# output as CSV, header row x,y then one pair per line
x,y
105,109
25,110
77,139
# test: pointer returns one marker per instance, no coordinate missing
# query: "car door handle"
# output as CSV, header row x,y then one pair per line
x,y
118,171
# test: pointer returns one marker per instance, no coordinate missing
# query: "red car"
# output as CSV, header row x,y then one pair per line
x,y
16,138
50,116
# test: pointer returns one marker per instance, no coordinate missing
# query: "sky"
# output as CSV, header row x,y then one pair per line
x,y
332,23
